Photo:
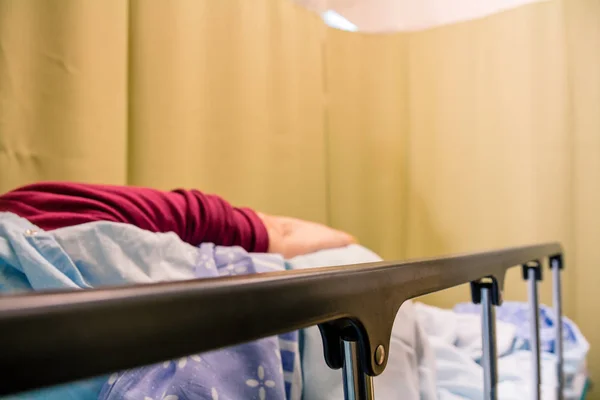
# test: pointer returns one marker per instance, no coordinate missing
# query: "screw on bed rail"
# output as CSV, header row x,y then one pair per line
x,y
380,354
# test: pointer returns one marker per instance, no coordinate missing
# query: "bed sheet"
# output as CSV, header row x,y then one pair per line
x,y
456,342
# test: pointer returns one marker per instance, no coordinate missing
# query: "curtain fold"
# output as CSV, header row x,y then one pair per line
x,y
63,91
488,138
367,127
227,96
583,43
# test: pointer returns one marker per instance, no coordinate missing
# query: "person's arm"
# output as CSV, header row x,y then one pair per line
x,y
194,216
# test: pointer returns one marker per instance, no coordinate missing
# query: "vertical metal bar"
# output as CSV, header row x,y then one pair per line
x,y
557,304
490,358
534,309
357,384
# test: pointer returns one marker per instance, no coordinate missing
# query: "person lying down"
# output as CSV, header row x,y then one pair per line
x,y
70,235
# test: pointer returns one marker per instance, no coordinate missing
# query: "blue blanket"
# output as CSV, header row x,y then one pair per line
x,y
103,253
575,346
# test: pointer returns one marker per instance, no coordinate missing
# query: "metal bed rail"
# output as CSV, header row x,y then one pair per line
x,y
57,337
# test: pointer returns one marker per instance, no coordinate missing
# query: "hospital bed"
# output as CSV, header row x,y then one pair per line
x,y
354,306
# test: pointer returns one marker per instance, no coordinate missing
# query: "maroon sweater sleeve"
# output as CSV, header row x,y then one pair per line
x,y
195,217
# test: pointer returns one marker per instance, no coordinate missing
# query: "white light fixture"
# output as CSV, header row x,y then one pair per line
x,y
335,20
404,15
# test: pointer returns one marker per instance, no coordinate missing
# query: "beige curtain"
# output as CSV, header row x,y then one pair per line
x,y
583,55
489,139
63,91
471,136
227,96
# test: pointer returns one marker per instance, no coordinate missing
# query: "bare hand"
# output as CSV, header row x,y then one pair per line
x,y
293,237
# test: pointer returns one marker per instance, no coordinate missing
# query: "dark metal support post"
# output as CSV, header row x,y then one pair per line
x,y
533,274
490,358
357,384
556,266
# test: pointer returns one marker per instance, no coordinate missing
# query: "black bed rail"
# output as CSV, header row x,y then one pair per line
x,y
56,337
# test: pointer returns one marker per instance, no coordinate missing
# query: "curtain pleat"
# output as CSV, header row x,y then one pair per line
x,y
367,122
62,91
582,19
227,96
488,139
